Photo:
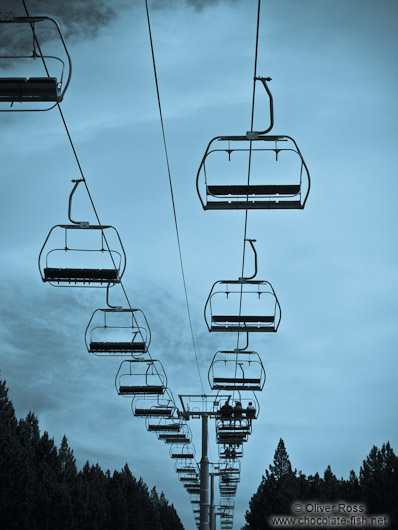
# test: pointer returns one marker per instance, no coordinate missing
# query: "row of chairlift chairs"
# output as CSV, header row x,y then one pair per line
x,y
82,255
124,332
245,305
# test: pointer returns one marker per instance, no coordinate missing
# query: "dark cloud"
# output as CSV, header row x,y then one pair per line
x,y
197,4
78,19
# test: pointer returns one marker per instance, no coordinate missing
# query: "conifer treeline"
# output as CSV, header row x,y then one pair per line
x,y
376,487
41,489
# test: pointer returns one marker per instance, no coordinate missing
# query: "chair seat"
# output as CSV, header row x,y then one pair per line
x,y
165,413
243,327
117,347
175,427
147,389
80,275
184,440
253,205
33,89
235,380
253,189
220,386
243,318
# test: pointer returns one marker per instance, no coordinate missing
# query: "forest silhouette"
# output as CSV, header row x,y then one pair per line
x,y
41,488
376,488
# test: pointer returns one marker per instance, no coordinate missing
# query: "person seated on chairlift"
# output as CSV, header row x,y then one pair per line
x,y
233,453
226,410
250,411
238,410
227,452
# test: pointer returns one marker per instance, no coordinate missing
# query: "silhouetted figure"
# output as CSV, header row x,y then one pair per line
x,y
226,411
233,453
250,411
227,452
238,411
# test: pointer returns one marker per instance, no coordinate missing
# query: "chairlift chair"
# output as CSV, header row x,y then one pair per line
x,y
82,258
140,377
236,370
193,490
228,492
247,414
34,90
230,468
222,312
227,504
164,427
229,478
155,406
244,305
234,438
257,193
159,406
174,439
188,468
193,486
230,453
188,478
182,455
239,426
117,331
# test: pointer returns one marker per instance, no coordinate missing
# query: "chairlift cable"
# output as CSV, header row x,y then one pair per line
x,y
172,196
249,165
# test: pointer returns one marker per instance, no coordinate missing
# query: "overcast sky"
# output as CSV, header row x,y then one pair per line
x,y
331,369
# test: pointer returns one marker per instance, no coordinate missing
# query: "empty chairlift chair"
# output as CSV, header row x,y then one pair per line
x,y
177,438
163,425
182,455
279,177
260,311
187,469
236,370
82,255
115,331
33,91
154,406
189,478
138,377
244,305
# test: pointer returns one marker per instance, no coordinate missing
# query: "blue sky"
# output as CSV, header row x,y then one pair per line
x,y
331,368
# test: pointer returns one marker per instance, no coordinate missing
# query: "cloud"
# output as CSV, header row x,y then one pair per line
x,y
78,19
196,4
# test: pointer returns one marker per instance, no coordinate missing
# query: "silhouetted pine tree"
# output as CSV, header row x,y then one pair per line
x,y
329,487
11,464
166,516
278,489
378,480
